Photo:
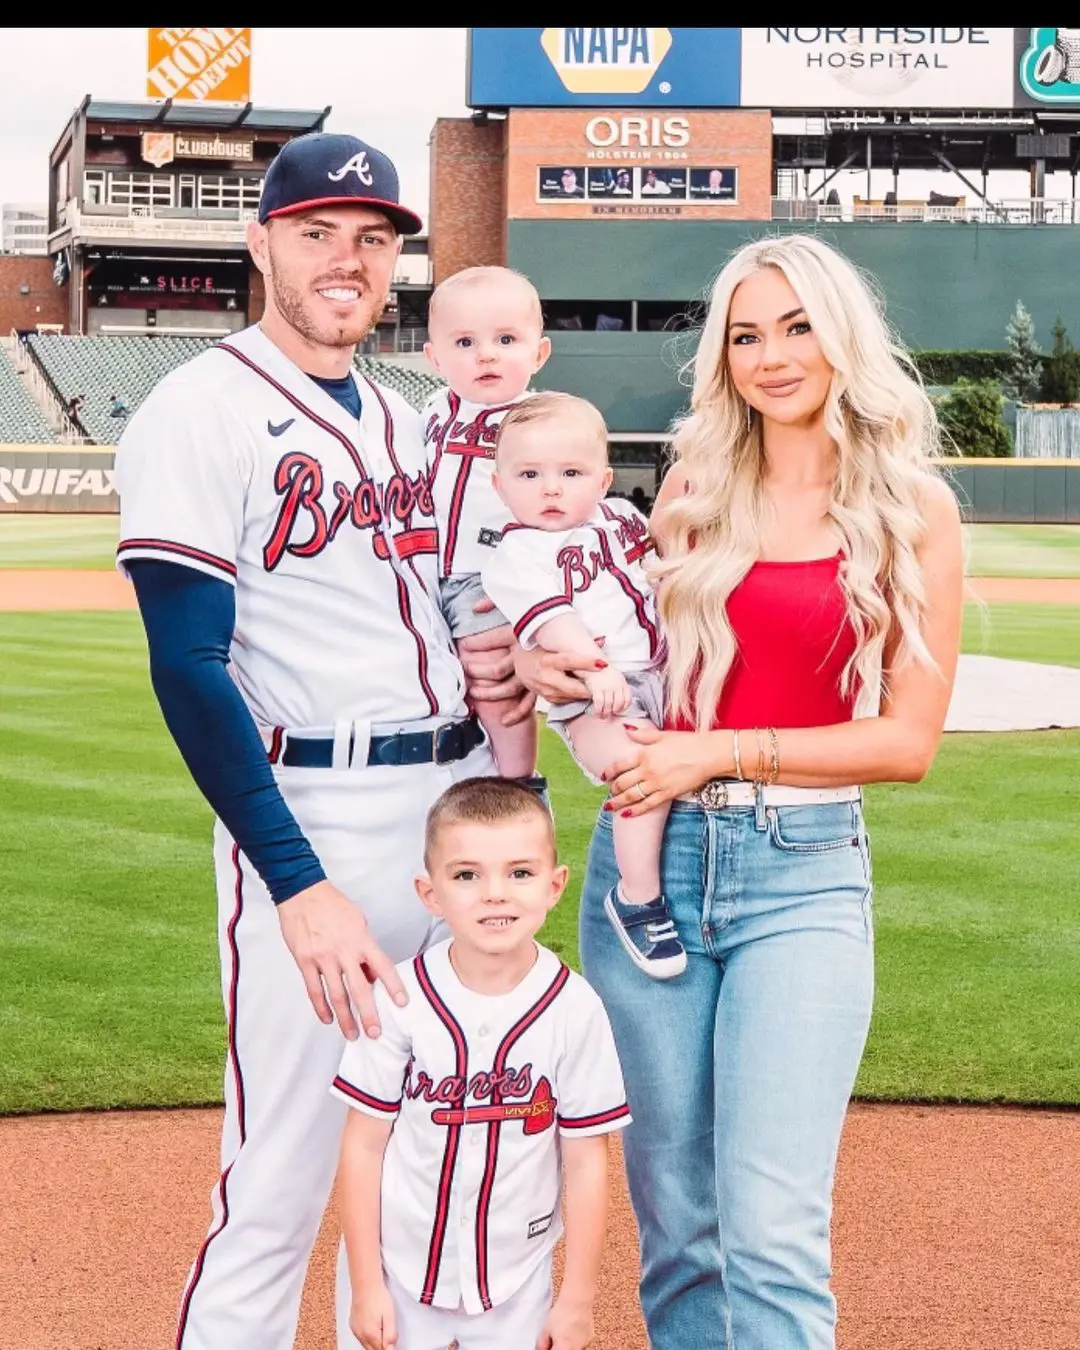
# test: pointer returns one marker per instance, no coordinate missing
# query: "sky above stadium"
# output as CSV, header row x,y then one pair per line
x,y
386,85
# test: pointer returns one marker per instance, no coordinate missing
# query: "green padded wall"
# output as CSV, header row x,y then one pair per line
x,y
947,285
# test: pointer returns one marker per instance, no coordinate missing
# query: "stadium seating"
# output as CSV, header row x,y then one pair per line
x,y
98,367
21,420
414,386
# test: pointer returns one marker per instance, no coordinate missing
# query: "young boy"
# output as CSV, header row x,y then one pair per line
x,y
487,340
501,1066
566,572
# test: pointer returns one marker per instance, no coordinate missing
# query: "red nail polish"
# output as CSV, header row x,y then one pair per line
x,y
601,665
629,726
608,806
625,813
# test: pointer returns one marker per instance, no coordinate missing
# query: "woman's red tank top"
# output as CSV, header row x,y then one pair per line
x,y
794,640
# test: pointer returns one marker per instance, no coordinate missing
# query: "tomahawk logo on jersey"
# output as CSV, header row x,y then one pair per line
x,y
594,570
242,467
481,1089
460,439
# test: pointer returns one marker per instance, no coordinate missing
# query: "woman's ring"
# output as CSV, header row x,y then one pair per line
x,y
641,791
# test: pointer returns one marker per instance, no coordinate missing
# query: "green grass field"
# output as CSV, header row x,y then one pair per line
x,y
89,541
108,965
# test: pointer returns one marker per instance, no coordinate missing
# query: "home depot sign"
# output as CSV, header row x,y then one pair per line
x,y
203,64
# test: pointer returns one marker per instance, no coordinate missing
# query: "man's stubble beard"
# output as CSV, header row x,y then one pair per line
x,y
289,302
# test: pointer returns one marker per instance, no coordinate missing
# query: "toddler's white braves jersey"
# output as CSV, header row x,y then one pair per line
x,y
460,439
480,1089
594,570
240,466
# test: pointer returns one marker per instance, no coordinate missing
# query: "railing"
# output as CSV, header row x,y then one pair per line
x,y
1014,211
142,223
45,393
393,341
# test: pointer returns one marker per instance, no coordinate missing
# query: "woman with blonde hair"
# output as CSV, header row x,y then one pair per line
x,y
810,585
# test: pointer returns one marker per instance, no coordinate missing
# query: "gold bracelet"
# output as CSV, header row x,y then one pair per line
x,y
759,777
774,762
736,756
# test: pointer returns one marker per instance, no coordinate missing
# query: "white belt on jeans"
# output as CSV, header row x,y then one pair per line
x,y
718,793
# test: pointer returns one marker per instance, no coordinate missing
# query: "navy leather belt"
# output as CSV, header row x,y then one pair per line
x,y
440,745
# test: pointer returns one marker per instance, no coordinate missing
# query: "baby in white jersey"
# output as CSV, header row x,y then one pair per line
x,y
566,572
487,341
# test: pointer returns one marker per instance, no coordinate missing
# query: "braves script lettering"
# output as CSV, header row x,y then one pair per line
x,y
579,569
299,481
453,1090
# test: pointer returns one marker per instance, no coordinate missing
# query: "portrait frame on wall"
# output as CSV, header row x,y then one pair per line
x,y
661,182
714,185
560,183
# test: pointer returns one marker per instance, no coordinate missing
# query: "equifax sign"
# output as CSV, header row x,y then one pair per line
x,y
202,64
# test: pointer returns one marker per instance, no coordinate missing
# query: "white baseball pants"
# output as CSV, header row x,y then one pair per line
x,y
282,1129
513,1325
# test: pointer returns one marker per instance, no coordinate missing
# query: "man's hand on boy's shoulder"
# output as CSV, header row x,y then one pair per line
x,y
569,1326
372,1319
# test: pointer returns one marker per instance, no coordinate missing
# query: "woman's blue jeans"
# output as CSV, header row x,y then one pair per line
x,y
739,1071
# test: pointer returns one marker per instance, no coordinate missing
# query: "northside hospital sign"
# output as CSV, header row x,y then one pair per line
x,y
770,68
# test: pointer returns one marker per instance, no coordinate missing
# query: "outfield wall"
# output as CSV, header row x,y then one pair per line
x,y
80,479
56,478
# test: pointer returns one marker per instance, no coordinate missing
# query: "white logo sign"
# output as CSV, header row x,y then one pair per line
x,y
877,67
606,130
357,165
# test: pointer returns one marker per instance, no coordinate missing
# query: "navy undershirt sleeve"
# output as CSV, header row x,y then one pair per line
x,y
189,619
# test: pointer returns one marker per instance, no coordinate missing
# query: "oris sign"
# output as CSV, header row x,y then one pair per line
x,y
607,130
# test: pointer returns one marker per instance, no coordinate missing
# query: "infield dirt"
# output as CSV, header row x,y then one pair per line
x,y
954,1227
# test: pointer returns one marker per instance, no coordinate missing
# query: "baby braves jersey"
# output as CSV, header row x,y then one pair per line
x,y
593,570
240,466
480,1088
460,439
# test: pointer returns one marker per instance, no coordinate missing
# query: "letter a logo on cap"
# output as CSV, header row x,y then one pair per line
x,y
357,165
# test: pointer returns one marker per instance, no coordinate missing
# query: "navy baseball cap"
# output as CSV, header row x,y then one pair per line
x,y
323,169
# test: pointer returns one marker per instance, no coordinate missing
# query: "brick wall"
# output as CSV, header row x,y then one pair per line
x,y
43,303
467,215
552,137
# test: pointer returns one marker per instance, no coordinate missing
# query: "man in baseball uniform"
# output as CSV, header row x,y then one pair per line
x,y
276,522
496,1082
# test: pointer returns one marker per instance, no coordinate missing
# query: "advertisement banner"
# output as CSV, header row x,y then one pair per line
x,y
837,68
211,65
601,67
58,478
1048,67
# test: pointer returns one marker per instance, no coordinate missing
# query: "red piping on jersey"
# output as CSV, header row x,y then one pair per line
x,y
453,1132
185,550
483,1203
541,607
359,1095
342,439
274,752
453,403
630,590
457,499
601,1118
234,1058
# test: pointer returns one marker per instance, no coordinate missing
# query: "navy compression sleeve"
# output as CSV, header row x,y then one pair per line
x,y
189,619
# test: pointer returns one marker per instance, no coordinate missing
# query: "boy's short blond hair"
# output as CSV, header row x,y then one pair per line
x,y
551,406
475,277
483,801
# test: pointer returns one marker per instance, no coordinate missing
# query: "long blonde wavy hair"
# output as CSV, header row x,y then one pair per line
x,y
886,436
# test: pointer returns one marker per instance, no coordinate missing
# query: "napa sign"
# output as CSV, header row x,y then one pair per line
x,y
583,67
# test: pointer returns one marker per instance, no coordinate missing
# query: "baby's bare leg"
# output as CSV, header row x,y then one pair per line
x,y
598,743
514,747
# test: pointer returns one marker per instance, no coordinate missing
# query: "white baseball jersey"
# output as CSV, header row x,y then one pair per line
x,y
480,1088
240,466
593,570
460,439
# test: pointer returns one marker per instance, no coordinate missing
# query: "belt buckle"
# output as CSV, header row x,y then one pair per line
x,y
448,750
713,795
